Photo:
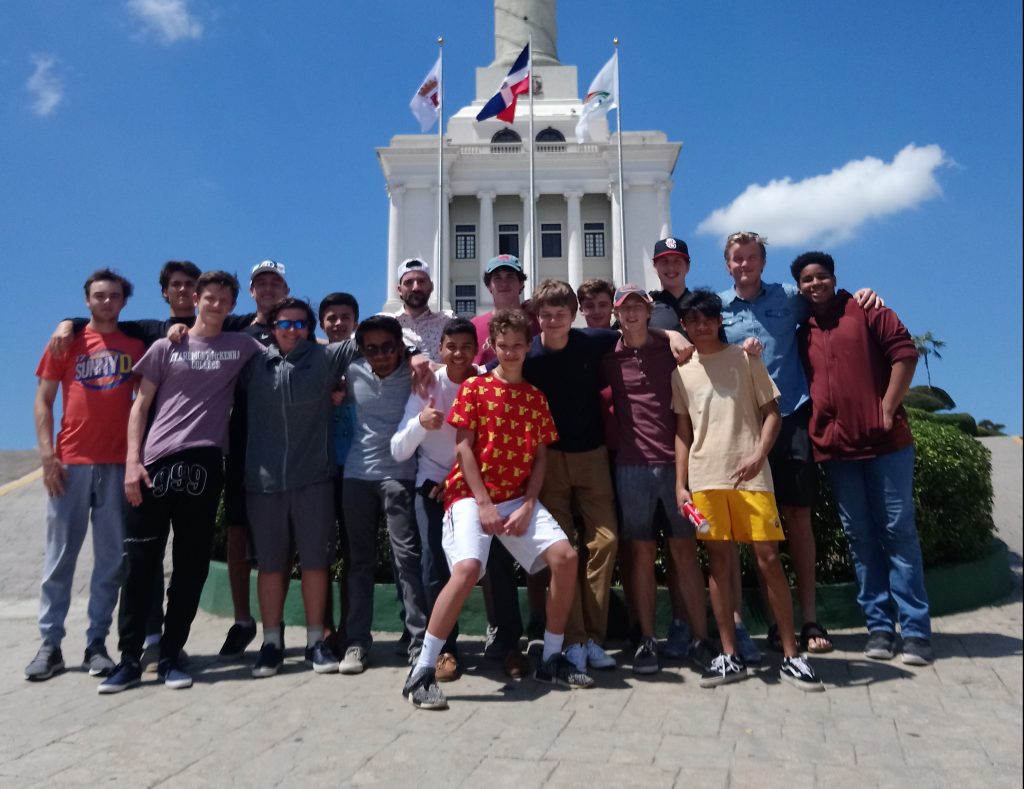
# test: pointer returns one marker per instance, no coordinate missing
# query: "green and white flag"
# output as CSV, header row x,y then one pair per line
x,y
603,95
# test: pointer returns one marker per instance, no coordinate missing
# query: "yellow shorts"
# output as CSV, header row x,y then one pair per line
x,y
739,515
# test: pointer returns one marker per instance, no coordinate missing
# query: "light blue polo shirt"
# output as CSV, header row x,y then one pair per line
x,y
773,318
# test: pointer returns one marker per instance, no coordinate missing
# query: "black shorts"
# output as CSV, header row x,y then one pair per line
x,y
793,470
235,513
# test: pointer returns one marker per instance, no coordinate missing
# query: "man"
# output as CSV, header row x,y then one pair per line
x,y
504,279
84,475
421,326
174,474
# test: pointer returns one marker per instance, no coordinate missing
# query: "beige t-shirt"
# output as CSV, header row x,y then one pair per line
x,y
723,393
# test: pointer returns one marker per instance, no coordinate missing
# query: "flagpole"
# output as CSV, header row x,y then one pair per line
x,y
622,206
533,202
441,276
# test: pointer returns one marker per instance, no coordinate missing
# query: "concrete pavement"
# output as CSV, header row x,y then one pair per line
x,y
957,723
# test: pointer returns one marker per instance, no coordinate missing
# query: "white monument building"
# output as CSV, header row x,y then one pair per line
x,y
486,181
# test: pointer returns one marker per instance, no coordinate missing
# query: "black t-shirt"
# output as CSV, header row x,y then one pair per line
x,y
572,380
666,314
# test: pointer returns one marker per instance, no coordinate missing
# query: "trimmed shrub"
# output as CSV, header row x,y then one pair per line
x,y
963,422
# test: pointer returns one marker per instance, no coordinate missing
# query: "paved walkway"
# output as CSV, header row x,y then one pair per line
x,y
957,723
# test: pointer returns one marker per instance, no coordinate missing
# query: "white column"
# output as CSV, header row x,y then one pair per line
x,y
664,212
442,265
613,194
485,249
395,236
575,236
526,244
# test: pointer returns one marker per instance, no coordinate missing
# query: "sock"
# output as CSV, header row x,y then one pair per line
x,y
431,649
314,633
246,622
552,644
272,635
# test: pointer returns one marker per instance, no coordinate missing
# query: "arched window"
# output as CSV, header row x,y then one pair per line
x,y
550,135
506,136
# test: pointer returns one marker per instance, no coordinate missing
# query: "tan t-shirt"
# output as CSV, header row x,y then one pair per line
x,y
723,393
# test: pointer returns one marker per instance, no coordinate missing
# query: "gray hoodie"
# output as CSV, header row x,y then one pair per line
x,y
290,438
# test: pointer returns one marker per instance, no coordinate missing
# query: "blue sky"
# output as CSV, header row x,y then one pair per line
x,y
225,132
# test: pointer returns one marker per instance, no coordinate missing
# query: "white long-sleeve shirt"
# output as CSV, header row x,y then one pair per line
x,y
434,449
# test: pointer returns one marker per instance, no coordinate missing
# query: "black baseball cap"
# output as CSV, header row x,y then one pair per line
x,y
671,246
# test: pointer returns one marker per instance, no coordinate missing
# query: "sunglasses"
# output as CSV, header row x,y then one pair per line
x,y
284,323
385,349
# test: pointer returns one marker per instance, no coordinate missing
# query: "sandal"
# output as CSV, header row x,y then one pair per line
x,y
774,639
811,631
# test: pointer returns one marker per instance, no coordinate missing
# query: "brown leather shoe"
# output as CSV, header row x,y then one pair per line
x,y
447,668
515,664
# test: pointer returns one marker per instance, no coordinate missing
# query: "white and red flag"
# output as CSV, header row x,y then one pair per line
x,y
517,82
426,102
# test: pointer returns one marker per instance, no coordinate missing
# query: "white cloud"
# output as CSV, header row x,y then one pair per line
x,y
44,85
168,20
831,208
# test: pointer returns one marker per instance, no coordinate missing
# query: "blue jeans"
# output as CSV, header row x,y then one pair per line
x,y
875,502
89,489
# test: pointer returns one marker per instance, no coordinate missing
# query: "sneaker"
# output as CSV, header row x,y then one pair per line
x,y
268,661
598,658
797,672
746,648
97,660
493,650
917,651
422,691
881,645
724,669
169,672
127,674
150,657
47,662
702,654
238,638
577,655
447,668
515,664
645,661
354,661
677,645
560,670
320,657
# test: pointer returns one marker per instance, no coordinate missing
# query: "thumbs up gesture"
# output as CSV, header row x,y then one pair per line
x,y
430,417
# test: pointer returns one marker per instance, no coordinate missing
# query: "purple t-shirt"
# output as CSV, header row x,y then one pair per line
x,y
195,382
641,383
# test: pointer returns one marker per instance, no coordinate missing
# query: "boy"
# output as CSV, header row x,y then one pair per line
x,y
595,297
503,429
726,421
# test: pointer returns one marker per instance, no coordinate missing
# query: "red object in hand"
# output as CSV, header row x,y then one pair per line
x,y
696,517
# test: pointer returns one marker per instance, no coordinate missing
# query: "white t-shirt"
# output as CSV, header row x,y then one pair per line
x,y
434,449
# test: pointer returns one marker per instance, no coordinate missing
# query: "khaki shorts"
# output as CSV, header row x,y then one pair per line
x,y
739,515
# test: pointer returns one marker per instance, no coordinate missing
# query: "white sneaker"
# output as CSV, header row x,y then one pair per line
x,y
354,661
577,655
598,658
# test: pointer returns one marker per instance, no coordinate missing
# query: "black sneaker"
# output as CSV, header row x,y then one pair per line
x,y
47,662
881,645
917,651
97,660
127,674
239,637
268,661
797,672
321,658
559,670
422,690
724,669
702,654
645,660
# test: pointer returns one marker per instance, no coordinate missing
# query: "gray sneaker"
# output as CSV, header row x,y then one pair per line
x,y
559,670
917,651
97,660
881,645
47,662
422,691
645,660
354,661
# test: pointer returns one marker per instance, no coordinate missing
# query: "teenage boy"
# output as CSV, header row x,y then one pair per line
x,y
640,371
425,433
174,474
504,279
727,420
84,474
860,432
503,428
595,297
421,326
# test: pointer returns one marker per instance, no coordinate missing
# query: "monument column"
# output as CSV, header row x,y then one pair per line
x,y
572,198
515,21
485,251
395,235
664,213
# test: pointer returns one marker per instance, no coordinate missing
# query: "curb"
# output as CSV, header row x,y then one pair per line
x,y
951,589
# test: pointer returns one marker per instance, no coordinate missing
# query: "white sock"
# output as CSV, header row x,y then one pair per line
x,y
245,622
552,644
431,649
314,633
273,636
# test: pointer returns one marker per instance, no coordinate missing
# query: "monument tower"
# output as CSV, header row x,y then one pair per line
x,y
486,208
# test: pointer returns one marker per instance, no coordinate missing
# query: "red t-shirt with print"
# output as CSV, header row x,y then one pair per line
x,y
510,422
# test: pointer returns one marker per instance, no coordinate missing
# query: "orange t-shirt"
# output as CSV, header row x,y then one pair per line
x,y
510,422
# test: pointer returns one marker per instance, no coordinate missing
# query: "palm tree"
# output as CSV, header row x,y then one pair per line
x,y
928,344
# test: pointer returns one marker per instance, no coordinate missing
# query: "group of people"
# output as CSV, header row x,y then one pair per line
x,y
697,417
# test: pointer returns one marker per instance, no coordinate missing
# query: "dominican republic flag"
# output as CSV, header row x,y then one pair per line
x,y
517,82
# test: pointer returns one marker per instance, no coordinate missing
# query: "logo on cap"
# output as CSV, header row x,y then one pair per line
x,y
670,243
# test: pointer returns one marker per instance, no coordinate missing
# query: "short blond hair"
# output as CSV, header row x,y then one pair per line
x,y
746,237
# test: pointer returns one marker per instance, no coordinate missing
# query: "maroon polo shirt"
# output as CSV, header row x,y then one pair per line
x,y
848,354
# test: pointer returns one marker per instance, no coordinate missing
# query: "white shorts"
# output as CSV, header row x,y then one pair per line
x,y
462,538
